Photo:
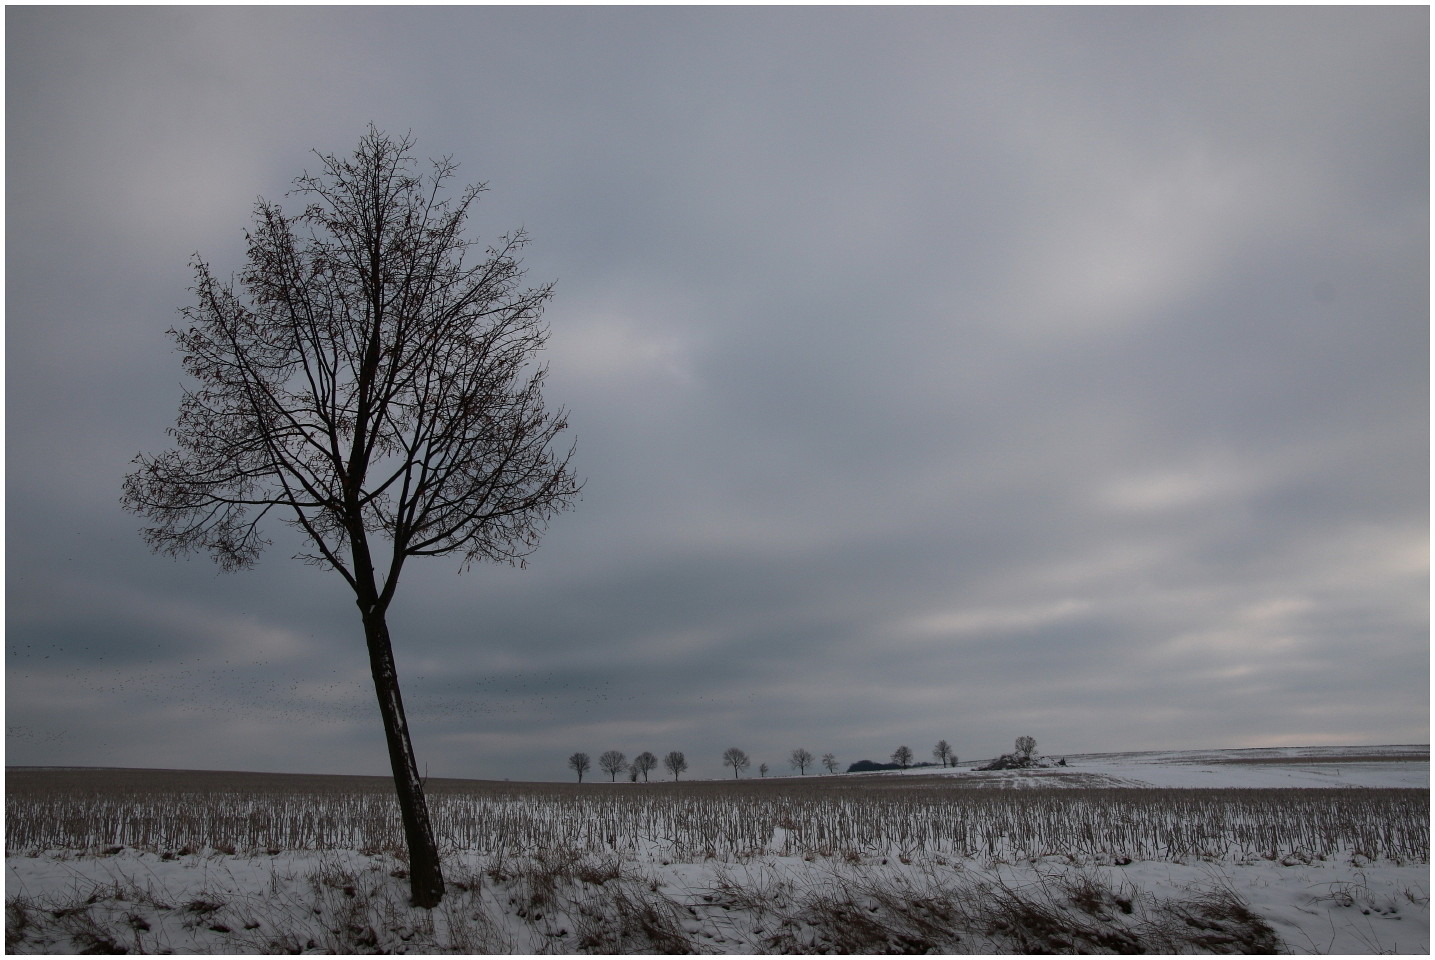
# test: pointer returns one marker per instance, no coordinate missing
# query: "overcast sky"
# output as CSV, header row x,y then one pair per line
x,y
936,373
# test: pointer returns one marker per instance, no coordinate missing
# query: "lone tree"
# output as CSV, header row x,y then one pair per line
x,y
943,753
735,758
829,761
902,757
372,385
1025,747
581,763
675,763
645,763
612,762
800,760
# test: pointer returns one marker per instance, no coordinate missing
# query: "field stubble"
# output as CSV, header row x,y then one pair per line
x,y
165,810
841,864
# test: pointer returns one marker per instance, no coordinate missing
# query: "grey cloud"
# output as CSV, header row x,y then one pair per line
x,y
952,373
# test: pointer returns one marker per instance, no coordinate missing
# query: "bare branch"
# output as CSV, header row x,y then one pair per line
x,y
372,381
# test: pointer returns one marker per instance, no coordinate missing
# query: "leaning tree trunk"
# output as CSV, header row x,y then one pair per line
x,y
425,876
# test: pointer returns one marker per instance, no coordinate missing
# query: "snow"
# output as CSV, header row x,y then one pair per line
x,y
346,901
1255,768
224,904
1383,775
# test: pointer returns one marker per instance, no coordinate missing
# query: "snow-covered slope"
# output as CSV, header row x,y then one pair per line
x,y
1382,766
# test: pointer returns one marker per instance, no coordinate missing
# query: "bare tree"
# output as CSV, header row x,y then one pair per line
x,y
830,762
645,763
1025,747
735,758
902,757
943,752
581,763
800,760
373,387
612,762
762,769
675,763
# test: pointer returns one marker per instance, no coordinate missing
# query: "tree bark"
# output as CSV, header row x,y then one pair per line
x,y
425,875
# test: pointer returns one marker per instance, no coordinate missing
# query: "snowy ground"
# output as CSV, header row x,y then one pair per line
x,y
352,902
1386,766
342,901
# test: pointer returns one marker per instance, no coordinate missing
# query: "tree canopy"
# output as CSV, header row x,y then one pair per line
x,y
371,380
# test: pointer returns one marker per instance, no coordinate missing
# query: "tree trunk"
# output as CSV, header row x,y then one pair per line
x,y
425,876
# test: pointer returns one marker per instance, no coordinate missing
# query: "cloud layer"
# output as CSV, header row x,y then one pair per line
x,y
937,373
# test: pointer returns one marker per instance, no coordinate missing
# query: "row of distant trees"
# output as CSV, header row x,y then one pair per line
x,y
942,753
615,762
904,757
799,759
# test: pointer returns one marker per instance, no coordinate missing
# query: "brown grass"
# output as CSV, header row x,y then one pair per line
x,y
567,902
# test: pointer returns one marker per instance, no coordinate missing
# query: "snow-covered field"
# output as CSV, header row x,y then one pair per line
x,y
786,894
1267,767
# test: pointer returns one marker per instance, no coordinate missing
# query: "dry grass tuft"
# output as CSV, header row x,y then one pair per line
x,y
566,902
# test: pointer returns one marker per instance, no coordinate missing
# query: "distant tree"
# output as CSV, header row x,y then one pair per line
x,y
580,763
613,762
800,760
1025,747
735,758
632,770
762,769
830,762
676,763
372,385
902,757
943,752
645,763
